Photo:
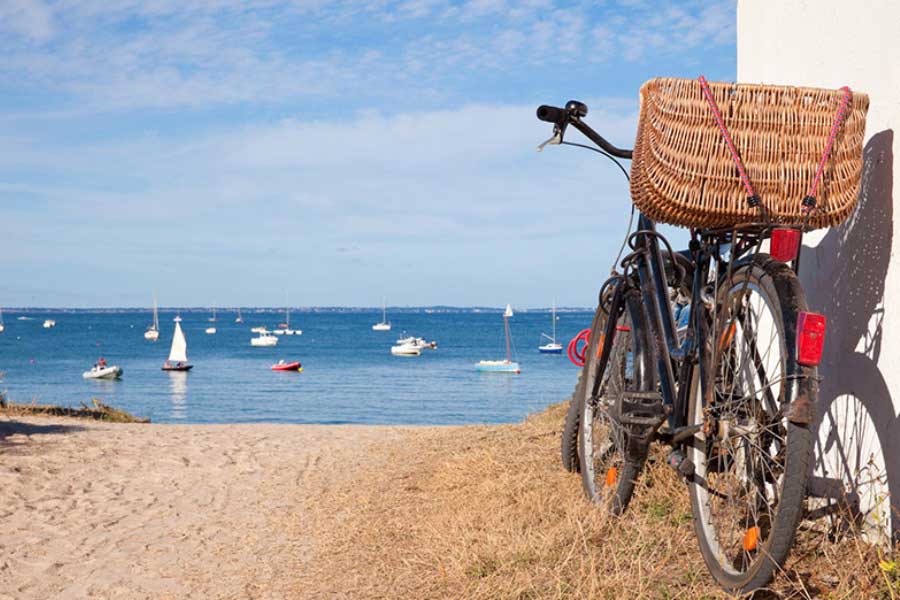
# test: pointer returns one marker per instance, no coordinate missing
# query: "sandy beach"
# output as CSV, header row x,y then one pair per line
x,y
92,510
109,510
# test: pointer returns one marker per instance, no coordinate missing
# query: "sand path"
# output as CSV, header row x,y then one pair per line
x,y
91,510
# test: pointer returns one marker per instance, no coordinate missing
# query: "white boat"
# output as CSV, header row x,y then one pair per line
x,y
178,360
502,366
212,328
264,339
406,350
104,371
23,318
239,318
384,325
152,333
552,346
2,326
49,324
285,328
259,329
418,342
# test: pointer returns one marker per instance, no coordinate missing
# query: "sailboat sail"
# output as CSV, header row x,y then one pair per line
x,y
508,312
178,353
155,316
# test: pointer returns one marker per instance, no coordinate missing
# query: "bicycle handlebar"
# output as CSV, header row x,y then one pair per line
x,y
571,115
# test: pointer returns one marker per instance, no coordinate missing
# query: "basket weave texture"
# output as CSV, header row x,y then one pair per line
x,y
682,172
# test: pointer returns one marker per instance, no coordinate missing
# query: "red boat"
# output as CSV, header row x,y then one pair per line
x,y
291,366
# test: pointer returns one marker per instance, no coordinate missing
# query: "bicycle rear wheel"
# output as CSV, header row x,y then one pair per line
x,y
610,458
750,463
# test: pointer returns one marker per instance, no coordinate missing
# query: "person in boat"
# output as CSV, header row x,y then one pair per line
x,y
101,362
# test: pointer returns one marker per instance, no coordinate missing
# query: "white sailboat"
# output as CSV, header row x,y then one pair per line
x,y
552,346
239,318
177,360
212,328
501,366
285,328
384,325
152,333
2,326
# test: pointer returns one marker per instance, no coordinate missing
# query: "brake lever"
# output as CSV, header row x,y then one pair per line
x,y
553,141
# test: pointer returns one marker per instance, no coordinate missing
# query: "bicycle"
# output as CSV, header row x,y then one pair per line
x,y
731,391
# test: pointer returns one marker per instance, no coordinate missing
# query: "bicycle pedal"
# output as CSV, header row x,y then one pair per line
x,y
643,409
682,464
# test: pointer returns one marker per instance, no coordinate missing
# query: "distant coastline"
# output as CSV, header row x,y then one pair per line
x,y
29,310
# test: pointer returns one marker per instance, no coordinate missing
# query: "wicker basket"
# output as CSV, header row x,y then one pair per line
x,y
682,172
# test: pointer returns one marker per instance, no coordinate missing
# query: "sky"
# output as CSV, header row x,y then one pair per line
x,y
323,153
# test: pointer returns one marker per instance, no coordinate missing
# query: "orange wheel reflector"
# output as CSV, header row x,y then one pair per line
x,y
751,539
612,474
600,345
725,340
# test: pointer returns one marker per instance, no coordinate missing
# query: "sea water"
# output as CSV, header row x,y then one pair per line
x,y
349,374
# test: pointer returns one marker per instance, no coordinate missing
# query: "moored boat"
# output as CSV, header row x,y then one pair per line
x,y
385,324
152,333
552,346
49,324
281,365
264,339
507,365
406,350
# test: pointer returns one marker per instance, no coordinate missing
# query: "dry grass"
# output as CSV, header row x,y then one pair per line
x,y
97,411
487,512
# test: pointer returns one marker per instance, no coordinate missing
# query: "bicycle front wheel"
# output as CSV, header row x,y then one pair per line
x,y
611,459
750,463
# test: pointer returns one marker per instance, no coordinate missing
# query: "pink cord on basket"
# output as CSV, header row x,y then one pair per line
x,y
734,153
810,200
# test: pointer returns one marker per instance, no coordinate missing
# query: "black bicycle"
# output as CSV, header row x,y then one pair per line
x,y
713,352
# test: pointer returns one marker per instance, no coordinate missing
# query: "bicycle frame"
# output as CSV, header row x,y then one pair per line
x,y
676,360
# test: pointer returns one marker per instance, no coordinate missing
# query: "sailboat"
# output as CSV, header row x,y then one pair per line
x,y
212,328
177,360
384,325
285,328
239,318
502,366
152,333
2,326
552,346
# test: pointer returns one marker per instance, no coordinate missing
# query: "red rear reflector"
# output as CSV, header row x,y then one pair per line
x,y
785,244
810,338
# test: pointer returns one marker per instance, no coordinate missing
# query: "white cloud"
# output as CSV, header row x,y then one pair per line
x,y
29,18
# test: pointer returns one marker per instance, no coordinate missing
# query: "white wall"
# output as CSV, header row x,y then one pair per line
x,y
848,271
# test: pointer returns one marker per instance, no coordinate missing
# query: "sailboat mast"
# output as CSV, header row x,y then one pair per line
x,y
506,330
384,310
554,320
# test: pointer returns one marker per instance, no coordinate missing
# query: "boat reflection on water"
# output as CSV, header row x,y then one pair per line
x,y
178,387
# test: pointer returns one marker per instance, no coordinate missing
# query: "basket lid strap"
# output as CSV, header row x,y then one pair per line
x,y
752,198
809,202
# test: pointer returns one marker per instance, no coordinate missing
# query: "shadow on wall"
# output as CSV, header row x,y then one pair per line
x,y
844,276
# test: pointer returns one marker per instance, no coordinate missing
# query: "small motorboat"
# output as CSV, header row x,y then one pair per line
x,y
264,339
419,342
288,366
103,371
406,350
259,329
49,324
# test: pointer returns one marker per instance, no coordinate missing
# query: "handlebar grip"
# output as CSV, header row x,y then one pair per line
x,y
552,114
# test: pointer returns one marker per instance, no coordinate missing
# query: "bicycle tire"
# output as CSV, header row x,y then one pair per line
x,y
619,463
571,426
772,458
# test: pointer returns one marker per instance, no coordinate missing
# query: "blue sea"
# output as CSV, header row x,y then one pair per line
x,y
349,375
